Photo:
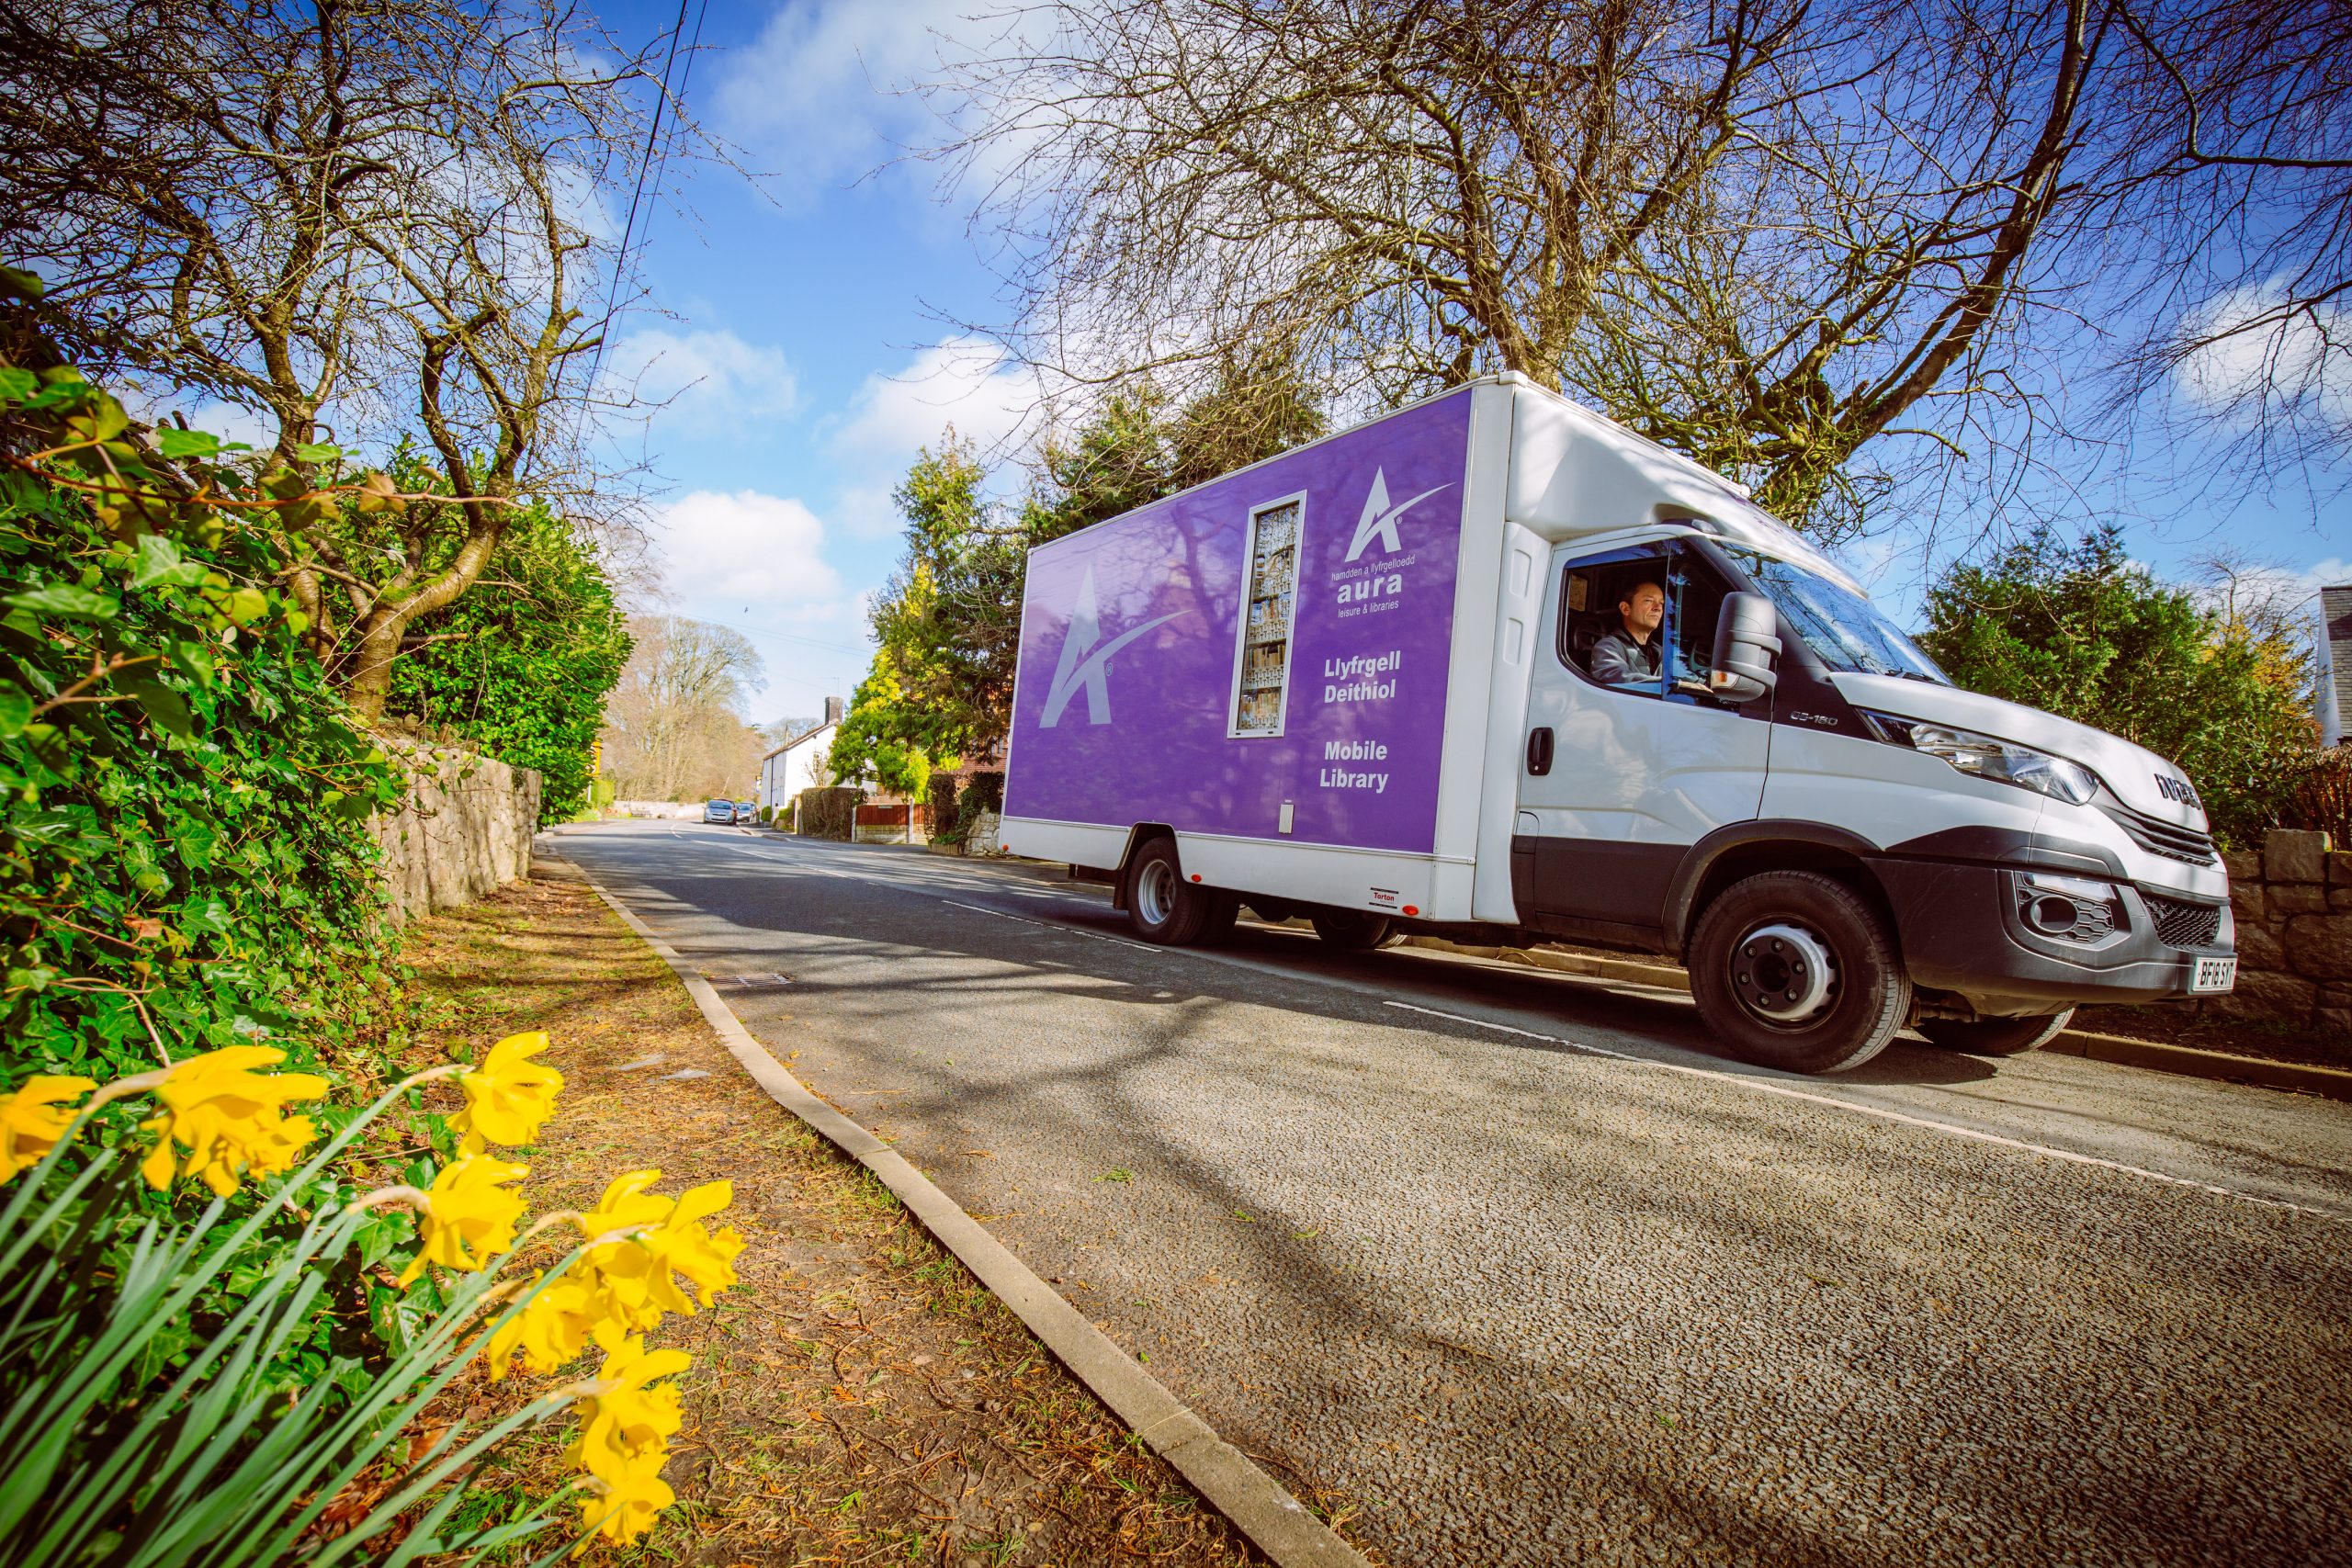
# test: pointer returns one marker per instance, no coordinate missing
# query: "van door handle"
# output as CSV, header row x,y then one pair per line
x,y
1538,750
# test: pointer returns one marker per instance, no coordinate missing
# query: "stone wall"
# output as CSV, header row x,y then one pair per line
x,y
465,829
665,810
2293,903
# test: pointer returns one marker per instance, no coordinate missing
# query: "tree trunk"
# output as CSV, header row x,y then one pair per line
x,y
369,685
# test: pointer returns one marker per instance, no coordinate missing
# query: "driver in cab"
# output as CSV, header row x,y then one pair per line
x,y
1629,656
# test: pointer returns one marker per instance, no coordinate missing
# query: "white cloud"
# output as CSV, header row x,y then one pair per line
x,y
704,374
964,382
2253,353
824,90
231,423
744,550
867,512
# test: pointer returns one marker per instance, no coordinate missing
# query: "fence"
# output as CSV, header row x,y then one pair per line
x,y
824,813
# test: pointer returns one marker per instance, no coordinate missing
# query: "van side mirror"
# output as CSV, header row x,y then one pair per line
x,y
1747,648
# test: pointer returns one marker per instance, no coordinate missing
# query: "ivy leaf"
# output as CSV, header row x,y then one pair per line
x,y
63,599
245,605
195,842
318,453
191,659
178,442
379,494
207,917
102,419
59,828
18,385
160,562
165,707
16,712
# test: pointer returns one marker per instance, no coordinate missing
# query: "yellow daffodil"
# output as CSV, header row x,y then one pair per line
x,y
620,1273
625,1431
633,1415
681,1244
31,1121
470,1216
622,1502
551,1330
625,1202
509,1097
228,1117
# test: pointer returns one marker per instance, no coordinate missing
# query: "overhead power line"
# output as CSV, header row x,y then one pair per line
x,y
657,154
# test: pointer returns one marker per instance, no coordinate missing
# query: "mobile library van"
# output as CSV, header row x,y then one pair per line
x,y
1355,682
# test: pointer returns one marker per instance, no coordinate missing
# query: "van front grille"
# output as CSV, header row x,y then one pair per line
x,y
2182,924
2167,839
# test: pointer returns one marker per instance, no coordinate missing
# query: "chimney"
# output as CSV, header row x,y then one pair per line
x,y
833,710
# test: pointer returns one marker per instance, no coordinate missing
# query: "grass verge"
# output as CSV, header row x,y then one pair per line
x,y
858,1398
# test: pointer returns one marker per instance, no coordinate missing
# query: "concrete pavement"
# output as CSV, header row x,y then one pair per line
x,y
1518,1261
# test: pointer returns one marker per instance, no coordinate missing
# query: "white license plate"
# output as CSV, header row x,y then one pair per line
x,y
2213,974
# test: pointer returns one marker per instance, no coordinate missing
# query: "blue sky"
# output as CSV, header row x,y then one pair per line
x,y
803,315
805,310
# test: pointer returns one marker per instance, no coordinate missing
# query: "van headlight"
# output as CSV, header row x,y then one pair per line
x,y
1990,757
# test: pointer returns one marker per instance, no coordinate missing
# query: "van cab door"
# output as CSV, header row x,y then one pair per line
x,y
1618,781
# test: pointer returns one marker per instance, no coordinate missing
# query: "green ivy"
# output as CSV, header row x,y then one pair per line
x,y
184,857
183,860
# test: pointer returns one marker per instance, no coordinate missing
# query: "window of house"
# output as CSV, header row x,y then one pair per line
x,y
1262,679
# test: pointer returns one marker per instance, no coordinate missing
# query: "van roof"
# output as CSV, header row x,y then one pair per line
x,y
1642,470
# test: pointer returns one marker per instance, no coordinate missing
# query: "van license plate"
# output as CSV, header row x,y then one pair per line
x,y
2213,974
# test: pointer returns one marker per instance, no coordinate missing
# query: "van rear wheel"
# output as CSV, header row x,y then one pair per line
x,y
1161,906
1995,1036
1792,970
1356,930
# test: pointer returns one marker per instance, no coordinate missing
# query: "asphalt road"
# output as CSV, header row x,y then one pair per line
x,y
1517,1261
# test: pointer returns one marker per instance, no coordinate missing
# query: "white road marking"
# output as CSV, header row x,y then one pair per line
x,y
1954,1129
1056,926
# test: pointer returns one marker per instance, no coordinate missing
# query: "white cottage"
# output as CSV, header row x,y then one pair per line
x,y
799,765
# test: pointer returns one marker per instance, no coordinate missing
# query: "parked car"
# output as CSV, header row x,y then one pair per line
x,y
719,811
747,813
1373,695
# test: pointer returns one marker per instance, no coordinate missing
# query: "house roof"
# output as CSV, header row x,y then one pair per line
x,y
804,735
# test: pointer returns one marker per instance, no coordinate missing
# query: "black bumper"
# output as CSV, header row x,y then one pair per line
x,y
1961,931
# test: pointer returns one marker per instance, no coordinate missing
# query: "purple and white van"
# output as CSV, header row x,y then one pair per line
x,y
1357,682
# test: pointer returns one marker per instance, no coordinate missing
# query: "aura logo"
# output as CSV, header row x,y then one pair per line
x,y
1379,519
1084,666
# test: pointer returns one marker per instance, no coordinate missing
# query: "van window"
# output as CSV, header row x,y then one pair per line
x,y
1262,678
1596,587
1846,631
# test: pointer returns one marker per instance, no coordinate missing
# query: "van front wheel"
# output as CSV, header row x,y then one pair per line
x,y
1995,1036
1792,970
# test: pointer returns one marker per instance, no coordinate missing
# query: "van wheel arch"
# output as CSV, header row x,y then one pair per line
x,y
1732,854
1138,836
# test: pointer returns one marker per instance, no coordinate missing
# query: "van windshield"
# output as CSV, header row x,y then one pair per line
x,y
1845,631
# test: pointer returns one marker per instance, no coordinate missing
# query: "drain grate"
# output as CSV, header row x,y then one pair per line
x,y
762,980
